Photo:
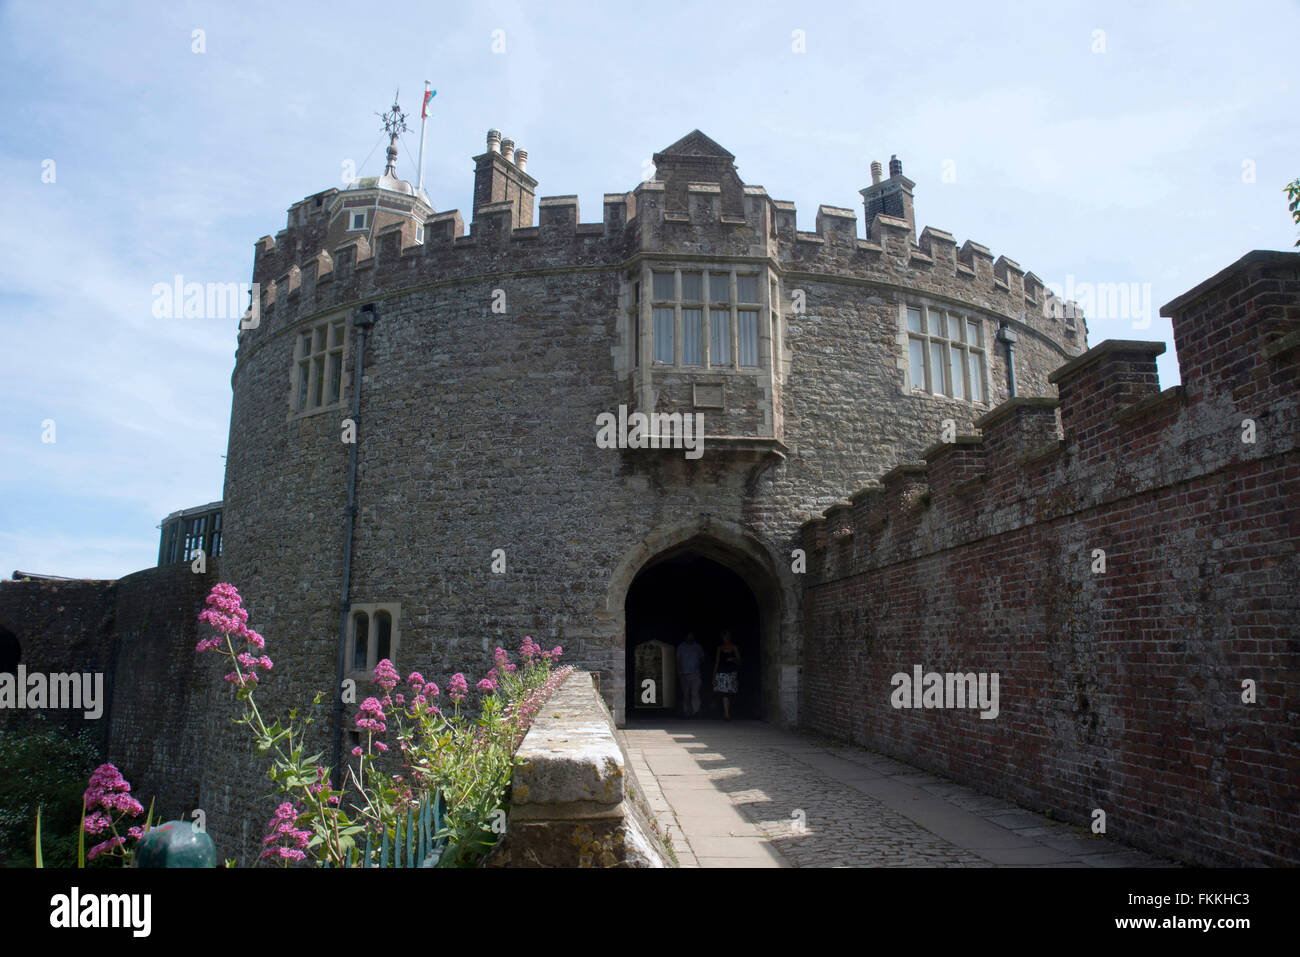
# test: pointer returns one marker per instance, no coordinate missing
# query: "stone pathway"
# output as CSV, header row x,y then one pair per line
x,y
746,794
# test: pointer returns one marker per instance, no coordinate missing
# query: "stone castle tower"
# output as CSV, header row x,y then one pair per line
x,y
472,366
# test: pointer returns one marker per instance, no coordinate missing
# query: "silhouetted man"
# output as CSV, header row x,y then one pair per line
x,y
690,656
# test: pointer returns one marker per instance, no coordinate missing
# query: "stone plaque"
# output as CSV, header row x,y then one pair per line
x,y
708,395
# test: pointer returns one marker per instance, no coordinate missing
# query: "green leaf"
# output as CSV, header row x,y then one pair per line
x,y
39,862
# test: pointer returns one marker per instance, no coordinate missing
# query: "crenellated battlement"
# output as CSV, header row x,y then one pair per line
x,y
695,207
1112,435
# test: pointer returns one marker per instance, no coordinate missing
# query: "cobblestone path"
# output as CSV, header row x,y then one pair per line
x,y
745,794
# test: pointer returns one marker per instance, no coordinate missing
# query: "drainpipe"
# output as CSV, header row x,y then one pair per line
x,y
1008,335
362,320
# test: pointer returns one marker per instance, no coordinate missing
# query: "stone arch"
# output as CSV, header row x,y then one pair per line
x,y
754,561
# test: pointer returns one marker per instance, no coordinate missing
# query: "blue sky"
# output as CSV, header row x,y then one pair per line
x,y
1153,152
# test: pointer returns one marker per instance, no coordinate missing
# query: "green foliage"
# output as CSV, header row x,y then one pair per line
x,y
1293,194
43,771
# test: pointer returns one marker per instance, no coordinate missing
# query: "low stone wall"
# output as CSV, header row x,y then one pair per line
x,y
574,799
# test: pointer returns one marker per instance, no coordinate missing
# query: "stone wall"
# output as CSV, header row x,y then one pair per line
x,y
139,632
61,627
477,430
1120,689
575,801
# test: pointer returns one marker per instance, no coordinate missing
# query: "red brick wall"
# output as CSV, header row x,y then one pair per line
x,y
1120,690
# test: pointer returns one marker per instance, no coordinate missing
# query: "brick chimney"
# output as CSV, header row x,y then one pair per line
x,y
892,197
499,177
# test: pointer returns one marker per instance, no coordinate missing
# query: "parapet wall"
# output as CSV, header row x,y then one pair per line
x,y
1126,561
298,277
574,801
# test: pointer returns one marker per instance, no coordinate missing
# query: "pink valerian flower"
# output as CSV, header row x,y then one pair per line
x,y
500,657
108,791
108,799
284,840
416,680
459,688
246,680
556,652
430,690
385,675
108,845
529,649
371,717
486,684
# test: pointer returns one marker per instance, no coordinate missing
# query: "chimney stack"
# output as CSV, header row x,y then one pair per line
x,y
891,197
499,176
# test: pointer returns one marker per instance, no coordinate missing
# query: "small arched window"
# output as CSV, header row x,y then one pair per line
x,y
384,636
372,636
360,641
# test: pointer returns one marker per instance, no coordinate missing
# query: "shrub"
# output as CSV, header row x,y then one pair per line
x,y
48,769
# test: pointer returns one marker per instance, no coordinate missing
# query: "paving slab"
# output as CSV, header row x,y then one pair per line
x,y
744,793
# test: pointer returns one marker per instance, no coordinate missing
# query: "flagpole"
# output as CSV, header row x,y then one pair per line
x,y
424,121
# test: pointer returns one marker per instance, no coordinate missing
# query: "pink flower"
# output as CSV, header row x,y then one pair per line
x,y
357,752
284,839
431,690
500,657
459,687
371,717
108,845
385,675
416,680
486,685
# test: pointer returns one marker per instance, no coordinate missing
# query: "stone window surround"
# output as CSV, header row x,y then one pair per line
x,y
296,364
929,306
766,311
353,213
370,610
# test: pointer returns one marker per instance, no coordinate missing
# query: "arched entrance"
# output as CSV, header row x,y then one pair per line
x,y
688,592
738,551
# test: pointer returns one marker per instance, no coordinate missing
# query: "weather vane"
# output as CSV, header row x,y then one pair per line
x,y
394,124
394,120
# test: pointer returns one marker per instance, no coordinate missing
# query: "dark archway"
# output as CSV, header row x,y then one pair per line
x,y
690,592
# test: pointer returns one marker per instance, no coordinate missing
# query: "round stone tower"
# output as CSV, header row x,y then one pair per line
x,y
599,434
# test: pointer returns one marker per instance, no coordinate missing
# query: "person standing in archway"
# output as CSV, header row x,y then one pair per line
x,y
726,672
690,659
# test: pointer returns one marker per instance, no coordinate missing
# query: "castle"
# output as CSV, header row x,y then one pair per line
x,y
908,456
